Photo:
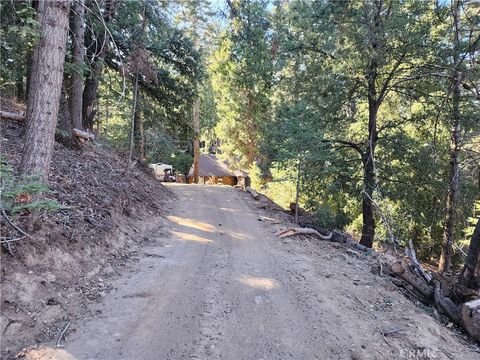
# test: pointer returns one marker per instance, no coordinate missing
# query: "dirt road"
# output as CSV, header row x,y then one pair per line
x,y
219,286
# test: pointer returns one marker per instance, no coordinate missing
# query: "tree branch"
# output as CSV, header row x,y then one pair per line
x,y
350,144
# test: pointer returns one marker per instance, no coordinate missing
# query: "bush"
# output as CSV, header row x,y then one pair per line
x,y
182,162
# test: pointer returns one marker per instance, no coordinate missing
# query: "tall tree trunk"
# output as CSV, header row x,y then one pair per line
x,y
471,271
29,59
134,113
251,130
453,171
368,160
96,68
64,117
45,87
78,53
19,91
138,130
196,140
297,192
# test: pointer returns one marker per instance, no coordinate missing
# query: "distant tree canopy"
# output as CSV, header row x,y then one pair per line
x,y
376,99
371,107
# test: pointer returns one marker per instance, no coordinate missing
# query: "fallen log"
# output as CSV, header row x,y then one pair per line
x,y
303,231
412,255
12,116
83,134
444,303
400,269
252,192
344,238
471,318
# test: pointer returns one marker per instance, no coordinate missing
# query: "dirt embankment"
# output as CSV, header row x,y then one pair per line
x,y
52,278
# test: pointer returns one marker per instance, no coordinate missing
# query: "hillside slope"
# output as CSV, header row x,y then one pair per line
x,y
105,211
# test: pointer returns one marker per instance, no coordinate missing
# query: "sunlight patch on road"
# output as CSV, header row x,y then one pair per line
x,y
47,353
190,237
192,223
236,235
229,209
259,282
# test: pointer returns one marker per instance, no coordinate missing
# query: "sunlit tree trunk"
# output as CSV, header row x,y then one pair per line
x,y
45,87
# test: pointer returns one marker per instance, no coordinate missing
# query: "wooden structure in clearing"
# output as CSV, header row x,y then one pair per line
x,y
213,171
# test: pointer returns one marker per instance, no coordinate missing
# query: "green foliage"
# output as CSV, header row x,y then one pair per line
x,y
308,62
241,75
182,162
17,192
19,34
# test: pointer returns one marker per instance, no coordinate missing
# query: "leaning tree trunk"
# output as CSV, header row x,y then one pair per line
x,y
78,52
45,87
453,171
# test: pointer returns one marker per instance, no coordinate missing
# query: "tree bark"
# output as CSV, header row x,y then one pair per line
x,y
196,140
138,130
471,270
368,226
297,192
134,113
45,87
453,173
78,53
96,60
374,101
64,116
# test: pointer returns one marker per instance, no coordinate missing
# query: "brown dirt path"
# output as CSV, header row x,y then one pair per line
x,y
221,286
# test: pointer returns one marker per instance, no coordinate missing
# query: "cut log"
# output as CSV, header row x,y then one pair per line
x,y
83,134
303,231
471,318
12,116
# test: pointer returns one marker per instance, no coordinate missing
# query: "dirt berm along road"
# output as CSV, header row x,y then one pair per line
x,y
219,285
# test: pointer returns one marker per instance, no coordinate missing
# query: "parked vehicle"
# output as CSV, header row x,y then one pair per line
x,y
169,176
163,172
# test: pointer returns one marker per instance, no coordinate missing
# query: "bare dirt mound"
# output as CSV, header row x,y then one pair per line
x,y
50,278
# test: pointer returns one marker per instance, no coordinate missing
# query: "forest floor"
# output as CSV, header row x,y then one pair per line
x,y
215,283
